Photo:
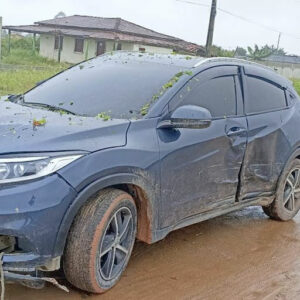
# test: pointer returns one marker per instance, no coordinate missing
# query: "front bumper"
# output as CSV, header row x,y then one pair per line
x,y
32,212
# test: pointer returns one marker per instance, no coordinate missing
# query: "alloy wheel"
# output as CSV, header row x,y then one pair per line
x,y
292,190
116,244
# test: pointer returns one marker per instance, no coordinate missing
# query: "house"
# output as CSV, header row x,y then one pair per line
x,y
285,59
77,38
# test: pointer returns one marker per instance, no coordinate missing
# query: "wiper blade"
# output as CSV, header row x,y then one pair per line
x,y
16,98
48,106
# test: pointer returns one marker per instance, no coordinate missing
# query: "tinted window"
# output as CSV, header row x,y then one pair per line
x,y
264,96
119,85
218,95
291,98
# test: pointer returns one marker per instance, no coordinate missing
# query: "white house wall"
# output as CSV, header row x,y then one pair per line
x,y
68,54
47,46
90,47
284,69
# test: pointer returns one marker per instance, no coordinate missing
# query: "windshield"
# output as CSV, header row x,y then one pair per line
x,y
115,85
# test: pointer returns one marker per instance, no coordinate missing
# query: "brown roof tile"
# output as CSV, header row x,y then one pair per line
x,y
115,24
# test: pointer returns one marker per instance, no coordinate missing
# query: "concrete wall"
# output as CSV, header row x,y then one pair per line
x,y
47,46
90,47
285,69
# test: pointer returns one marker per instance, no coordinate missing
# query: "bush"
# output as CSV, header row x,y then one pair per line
x,y
21,53
19,42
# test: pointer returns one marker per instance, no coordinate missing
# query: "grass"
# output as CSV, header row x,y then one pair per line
x,y
34,68
29,58
16,82
297,85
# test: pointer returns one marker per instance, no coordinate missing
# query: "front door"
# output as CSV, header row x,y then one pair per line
x,y
200,167
100,48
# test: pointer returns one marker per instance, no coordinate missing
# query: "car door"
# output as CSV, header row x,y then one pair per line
x,y
268,145
200,167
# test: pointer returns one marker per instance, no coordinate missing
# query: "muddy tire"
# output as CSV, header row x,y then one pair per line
x,y
100,241
287,202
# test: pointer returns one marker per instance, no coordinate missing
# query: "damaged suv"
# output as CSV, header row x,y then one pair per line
x,y
132,146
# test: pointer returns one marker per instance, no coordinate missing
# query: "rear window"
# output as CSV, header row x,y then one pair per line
x,y
264,96
119,87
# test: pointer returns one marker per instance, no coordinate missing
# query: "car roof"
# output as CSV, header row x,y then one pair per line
x,y
179,60
197,63
250,68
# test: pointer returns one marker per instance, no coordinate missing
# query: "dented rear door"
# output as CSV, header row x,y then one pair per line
x,y
268,145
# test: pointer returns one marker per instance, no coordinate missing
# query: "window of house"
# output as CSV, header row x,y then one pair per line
x,y
119,46
264,96
79,45
218,95
58,40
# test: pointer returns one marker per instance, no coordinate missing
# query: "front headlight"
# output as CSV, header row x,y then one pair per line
x,y
27,168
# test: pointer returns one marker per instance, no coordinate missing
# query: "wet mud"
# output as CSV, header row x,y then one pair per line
x,y
243,255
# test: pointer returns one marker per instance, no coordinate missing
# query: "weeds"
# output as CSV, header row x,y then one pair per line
x,y
19,81
297,85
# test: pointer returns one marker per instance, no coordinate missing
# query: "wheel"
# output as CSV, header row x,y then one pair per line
x,y
287,202
100,241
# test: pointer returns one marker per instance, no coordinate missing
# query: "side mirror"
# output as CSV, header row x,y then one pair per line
x,y
188,116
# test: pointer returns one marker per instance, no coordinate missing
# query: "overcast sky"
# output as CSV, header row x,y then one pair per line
x,y
179,19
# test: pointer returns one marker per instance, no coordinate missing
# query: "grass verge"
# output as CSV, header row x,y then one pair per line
x,y
297,85
19,81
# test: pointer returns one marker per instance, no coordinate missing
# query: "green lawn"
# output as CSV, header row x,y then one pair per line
x,y
297,85
16,82
34,68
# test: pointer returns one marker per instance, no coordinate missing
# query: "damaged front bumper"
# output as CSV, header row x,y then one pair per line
x,y
30,217
33,277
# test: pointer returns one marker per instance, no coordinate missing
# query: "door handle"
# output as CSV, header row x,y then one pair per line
x,y
235,130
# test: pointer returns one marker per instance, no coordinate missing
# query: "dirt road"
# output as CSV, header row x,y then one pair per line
x,y
243,255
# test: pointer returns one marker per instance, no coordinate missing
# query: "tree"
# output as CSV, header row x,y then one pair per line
x,y
240,51
61,14
263,52
217,51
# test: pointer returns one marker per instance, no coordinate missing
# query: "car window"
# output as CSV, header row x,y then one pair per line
x,y
218,95
116,85
291,98
263,96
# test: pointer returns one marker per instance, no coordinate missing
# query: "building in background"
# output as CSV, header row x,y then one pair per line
x,y
77,38
286,65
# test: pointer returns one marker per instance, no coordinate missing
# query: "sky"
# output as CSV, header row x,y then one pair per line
x,y
180,19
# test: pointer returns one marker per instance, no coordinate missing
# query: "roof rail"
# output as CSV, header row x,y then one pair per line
x,y
233,60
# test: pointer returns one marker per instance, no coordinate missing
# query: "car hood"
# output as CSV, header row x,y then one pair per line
x,y
26,129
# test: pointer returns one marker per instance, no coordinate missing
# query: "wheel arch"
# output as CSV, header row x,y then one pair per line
x,y
295,154
143,193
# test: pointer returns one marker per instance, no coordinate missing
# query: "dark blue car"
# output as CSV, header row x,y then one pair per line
x,y
132,146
